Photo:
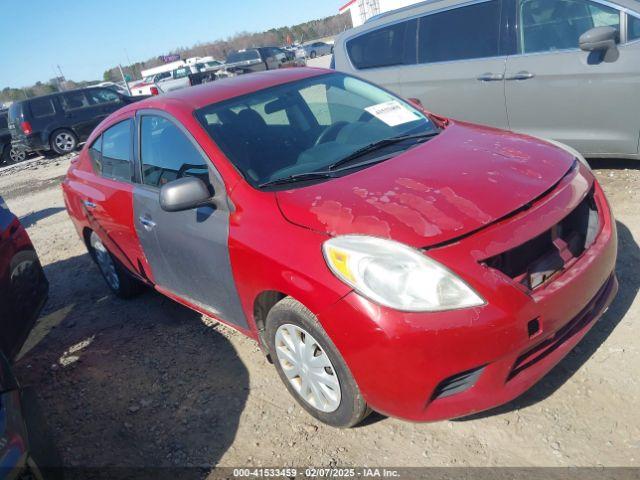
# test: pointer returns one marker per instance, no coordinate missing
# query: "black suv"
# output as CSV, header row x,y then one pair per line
x,y
7,153
60,121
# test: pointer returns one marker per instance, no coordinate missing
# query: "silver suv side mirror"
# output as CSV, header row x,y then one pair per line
x,y
599,39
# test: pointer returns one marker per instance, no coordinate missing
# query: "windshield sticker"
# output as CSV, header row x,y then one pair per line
x,y
392,113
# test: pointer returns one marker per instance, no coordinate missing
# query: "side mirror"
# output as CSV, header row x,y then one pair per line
x,y
599,39
184,194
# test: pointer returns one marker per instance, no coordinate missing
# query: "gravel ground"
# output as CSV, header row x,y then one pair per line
x,y
146,382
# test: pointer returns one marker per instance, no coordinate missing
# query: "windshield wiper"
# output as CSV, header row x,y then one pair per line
x,y
298,177
378,145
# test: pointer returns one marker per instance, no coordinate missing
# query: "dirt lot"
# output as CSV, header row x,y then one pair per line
x,y
148,382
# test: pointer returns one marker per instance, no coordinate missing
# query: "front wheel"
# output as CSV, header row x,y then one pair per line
x,y
313,54
311,367
118,280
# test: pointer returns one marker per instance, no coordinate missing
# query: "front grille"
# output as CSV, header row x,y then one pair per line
x,y
457,383
537,260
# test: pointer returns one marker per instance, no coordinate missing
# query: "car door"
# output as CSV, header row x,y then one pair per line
x,y
107,194
79,113
187,251
460,64
556,90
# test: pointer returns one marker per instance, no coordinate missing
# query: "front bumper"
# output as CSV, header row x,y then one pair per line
x,y
401,360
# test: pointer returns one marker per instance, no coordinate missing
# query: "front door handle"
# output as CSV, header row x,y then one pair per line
x,y
523,75
147,223
89,204
491,77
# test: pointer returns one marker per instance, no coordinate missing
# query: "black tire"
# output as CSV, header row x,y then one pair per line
x,y
63,141
352,408
17,155
126,285
313,54
331,50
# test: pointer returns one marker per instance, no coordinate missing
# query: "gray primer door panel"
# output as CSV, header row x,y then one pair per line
x,y
189,254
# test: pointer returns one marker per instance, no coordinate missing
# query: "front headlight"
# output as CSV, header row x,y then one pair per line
x,y
397,276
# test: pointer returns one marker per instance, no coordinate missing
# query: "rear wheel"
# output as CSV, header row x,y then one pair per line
x,y
311,367
63,141
118,279
17,155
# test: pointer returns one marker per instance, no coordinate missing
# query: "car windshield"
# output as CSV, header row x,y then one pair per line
x,y
312,125
243,56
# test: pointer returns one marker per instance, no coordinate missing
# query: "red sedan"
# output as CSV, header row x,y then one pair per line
x,y
383,257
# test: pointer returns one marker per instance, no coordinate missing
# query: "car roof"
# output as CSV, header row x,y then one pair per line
x,y
220,90
56,94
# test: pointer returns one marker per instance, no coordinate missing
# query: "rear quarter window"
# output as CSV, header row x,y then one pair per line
x,y
42,107
384,47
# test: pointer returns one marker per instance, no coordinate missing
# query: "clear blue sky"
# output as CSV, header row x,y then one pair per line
x,y
85,37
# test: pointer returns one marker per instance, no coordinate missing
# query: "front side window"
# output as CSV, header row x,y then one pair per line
x,y
328,118
549,25
634,27
74,100
167,153
116,152
103,95
3,122
385,47
460,34
42,107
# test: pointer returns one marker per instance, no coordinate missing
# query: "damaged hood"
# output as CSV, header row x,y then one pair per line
x,y
463,179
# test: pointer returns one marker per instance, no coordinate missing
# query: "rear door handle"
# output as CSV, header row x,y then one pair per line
x,y
89,204
147,223
491,77
523,75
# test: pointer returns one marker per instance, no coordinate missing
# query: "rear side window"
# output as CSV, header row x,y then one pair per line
x,y
385,47
634,28
74,100
557,25
460,34
95,154
116,152
167,154
42,107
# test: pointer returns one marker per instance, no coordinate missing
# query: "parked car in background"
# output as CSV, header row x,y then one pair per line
x,y
388,274
315,49
58,122
8,154
562,69
116,87
257,60
23,285
26,449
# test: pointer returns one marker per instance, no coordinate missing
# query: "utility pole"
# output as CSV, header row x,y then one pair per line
x,y
61,74
124,79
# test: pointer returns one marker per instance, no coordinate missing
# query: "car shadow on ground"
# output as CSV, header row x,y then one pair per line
x,y
34,217
132,384
626,270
